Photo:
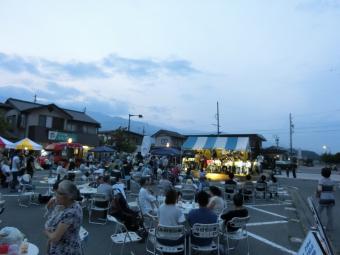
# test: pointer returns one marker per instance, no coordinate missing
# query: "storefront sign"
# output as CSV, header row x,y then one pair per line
x,y
311,245
61,136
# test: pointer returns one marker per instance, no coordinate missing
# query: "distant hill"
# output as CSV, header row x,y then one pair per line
x,y
110,123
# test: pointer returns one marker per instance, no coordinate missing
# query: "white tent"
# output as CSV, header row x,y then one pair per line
x,y
27,144
4,143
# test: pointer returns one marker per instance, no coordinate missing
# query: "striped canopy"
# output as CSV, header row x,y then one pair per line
x,y
6,144
207,142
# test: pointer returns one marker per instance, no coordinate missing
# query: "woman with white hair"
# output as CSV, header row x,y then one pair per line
x,y
62,230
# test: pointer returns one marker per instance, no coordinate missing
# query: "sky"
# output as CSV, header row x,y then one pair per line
x,y
172,60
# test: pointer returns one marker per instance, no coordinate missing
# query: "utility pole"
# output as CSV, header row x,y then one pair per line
x,y
35,98
277,140
218,120
291,131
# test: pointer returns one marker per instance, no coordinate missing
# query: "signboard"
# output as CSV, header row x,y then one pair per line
x,y
146,144
311,245
61,136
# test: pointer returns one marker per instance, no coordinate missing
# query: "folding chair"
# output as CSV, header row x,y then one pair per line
x,y
172,234
205,231
83,235
230,191
100,205
121,235
261,188
273,190
188,195
240,234
26,195
249,191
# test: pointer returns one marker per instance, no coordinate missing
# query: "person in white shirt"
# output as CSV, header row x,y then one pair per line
x,y
216,202
169,214
6,172
15,171
119,187
146,200
105,187
61,171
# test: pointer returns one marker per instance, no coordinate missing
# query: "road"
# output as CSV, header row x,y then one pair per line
x,y
274,227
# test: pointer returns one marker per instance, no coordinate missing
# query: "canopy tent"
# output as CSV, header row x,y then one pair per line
x,y
6,144
62,146
216,142
27,144
102,149
165,151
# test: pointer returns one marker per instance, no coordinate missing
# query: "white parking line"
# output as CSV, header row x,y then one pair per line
x,y
264,211
284,203
275,245
266,223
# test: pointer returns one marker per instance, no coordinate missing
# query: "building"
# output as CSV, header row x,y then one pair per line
x,y
48,123
108,137
166,138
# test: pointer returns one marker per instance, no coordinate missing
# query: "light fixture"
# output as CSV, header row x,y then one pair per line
x,y
69,140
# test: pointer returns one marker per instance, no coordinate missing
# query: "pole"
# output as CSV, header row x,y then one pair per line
x,y
218,120
129,123
291,127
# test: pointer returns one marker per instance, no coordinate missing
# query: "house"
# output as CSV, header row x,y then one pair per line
x,y
108,137
47,123
166,138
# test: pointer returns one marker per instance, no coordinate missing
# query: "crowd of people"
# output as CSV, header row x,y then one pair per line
x,y
158,177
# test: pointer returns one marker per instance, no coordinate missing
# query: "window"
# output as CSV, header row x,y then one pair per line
x,y
49,120
58,123
11,120
71,127
42,120
23,121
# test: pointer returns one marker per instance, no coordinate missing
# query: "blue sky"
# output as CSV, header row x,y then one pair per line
x,y
172,60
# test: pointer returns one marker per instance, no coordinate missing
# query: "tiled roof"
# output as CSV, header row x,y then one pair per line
x,y
22,105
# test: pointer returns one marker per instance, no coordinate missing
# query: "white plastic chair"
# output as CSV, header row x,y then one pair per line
x,y
26,195
260,189
171,233
205,231
249,191
94,208
83,235
121,235
240,234
230,191
188,195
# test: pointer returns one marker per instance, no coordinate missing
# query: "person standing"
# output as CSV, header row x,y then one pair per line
x,y
62,230
15,170
326,196
30,165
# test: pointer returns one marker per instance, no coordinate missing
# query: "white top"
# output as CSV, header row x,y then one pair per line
x,y
119,187
61,171
219,204
170,215
5,169
145,200
15,164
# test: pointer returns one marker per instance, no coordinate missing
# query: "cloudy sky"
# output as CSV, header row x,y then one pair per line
x,y
172,60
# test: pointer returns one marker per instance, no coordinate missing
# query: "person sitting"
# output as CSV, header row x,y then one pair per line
x,y
202,215
263,188
248,187
170,215
216,202
230,179
239,211
25,183
105,187
146,200
61,171
190,185
164,183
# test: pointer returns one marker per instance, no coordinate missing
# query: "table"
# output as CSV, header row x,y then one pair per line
x,y
186,207
85,189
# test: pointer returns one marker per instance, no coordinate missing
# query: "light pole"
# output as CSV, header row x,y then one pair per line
x,y
133,115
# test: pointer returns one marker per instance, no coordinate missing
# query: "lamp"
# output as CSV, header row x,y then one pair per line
x,y
133,115
69,140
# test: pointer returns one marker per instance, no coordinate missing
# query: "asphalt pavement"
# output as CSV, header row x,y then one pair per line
x,y
274,227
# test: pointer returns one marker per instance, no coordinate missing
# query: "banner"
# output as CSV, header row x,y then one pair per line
x,y
311,245
61,136
146,144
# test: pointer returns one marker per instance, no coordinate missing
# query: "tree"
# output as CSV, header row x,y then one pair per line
x,y
122,142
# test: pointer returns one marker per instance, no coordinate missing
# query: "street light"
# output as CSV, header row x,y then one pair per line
x,y
134,115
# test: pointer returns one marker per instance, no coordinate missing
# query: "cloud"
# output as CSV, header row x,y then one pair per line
x,y
105,68
147,67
